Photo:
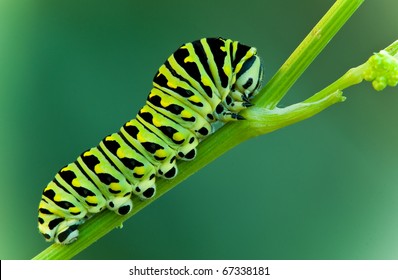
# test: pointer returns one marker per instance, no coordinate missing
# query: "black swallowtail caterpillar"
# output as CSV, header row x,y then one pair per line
x,y
202,82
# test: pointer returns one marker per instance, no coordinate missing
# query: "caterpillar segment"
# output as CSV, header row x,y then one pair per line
x,y
206,81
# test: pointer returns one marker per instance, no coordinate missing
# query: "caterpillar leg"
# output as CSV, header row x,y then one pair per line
x,y
59,224
225,115
67,231
60,230
237,105
120,206
235,101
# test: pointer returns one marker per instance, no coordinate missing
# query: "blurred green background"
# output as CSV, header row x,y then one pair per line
x,y
72,72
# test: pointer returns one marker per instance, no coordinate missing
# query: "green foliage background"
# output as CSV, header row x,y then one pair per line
x,y
72,72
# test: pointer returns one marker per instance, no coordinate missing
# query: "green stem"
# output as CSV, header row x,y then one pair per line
x,y
351,77
305,53
234,133
393,48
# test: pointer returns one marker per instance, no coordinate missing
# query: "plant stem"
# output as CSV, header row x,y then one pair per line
x,y
234,133
305,53
393,48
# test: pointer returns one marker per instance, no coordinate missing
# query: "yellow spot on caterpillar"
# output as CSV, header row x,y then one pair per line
x,y
186,114
156,121
238,68
66,168
160,153
141,138
120,153
98,169
129,123
194,98
92,199
76,182
188,59
139,170
206,81
143,110
109,138
87,153
42,204
165,102
227,71
74,210
115,187
171,85
178,136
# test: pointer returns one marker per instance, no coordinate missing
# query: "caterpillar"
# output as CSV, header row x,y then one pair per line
x,y
205,81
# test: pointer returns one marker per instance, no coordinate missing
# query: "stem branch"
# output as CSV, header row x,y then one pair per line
x,y
306,52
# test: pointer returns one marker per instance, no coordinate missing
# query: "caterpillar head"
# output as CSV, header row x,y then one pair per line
x,y
248,75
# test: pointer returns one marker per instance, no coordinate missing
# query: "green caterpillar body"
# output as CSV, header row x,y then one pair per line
x,y
202,82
